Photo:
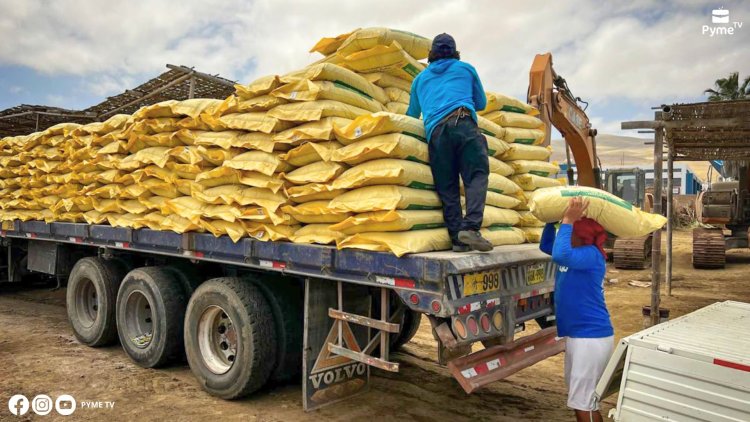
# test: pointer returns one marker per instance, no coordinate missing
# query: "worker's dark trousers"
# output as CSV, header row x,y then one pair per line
x,y
458,148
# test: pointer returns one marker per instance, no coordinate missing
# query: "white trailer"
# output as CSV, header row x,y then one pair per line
x,y
694,368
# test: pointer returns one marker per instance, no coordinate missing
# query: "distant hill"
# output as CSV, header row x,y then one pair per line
x,y
616,151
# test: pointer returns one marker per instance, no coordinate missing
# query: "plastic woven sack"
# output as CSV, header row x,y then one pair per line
x,y
334,73
315,110
526,152
399,243
384,198
380,124
386,171
363,39
316,233
394,145
523,136
529,182
307,90
539,168
618,216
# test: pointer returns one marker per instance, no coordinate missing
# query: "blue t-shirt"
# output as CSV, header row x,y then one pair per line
x,y
444,86
580,310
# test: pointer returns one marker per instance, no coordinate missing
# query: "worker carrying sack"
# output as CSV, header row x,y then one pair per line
x,y
617,216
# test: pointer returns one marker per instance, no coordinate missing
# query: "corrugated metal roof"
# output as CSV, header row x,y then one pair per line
x,y
718,331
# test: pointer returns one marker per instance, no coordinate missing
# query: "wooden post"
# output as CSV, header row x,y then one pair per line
x,y
36,125
656,244
191,91
670,211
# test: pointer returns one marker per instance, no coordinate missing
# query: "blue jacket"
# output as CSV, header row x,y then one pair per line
x,y
580,310
444,86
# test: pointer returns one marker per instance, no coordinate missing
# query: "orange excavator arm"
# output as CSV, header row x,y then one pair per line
x,y
549,93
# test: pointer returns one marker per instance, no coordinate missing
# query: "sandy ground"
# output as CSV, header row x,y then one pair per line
x,y
39,355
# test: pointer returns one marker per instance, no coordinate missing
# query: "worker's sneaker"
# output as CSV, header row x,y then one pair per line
x,y
474,240
461,247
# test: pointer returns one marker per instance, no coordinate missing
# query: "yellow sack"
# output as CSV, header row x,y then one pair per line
x,y
262,162
153,202
618,217
155,125
315,110
172,108
499,184
152,220
322,130
106,205
316,233
390,221
494,216
391,59
312,192
217,156
496,147
235,104
132,206
393,145
253,122
307,90
266,232
398,95
526,152
488,128
363,39
386,171
227,139
532,234
178,224
262,215
315,212
398,108
258,87
334,73
499,167
509,119
528,220
384,80
241,195
399,243
532,181
524,136
501,235
502,201
154,155
318,172
310,152
385,198
496,101
194,209
539,168
328,45
235,230
380,124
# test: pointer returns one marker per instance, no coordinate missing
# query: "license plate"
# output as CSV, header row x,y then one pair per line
x,y
535,274
478,283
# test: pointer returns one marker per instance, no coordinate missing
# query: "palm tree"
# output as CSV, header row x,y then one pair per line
x,y
729,88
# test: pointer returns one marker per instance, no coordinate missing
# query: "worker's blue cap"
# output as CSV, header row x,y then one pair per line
x,y
443,42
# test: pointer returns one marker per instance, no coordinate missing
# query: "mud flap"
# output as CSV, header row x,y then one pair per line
x,y
497,362
328,377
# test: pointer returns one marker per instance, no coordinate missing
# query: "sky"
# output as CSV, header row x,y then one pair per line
x,y
623,57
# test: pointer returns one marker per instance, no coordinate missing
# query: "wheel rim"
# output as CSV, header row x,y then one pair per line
x,y
87,302
217,340
139,319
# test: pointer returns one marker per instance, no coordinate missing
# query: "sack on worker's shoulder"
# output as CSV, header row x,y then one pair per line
x,y
616,215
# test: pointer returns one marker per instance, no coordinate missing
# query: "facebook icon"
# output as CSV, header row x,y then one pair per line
x,y
18,405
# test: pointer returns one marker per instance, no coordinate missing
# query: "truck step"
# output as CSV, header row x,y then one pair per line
x,y
498,362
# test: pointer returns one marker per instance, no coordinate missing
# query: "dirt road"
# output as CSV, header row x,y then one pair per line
x,y
39,355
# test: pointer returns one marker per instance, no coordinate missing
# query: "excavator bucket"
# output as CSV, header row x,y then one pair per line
x,y
497,362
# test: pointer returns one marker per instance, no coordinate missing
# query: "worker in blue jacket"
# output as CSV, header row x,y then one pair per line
x,y
448,94
580,310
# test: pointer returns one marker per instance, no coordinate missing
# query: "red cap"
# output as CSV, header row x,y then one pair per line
x,y
590,233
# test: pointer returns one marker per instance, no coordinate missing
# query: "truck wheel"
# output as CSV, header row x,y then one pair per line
x,y
543,323
151,306
91,298
286,297
186,275
230,337
409,328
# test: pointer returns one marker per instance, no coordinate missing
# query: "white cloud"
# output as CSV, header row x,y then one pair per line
x,y
646,52
16,89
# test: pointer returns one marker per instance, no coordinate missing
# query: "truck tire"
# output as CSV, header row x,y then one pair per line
x,y
409,328
286,296
187,275
151,306
91,299
409,322
230,337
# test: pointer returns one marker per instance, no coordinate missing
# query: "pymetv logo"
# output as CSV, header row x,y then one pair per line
x,y
725,26
19,405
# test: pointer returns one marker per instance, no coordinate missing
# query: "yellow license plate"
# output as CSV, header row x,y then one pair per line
x,y
478,283
8,225
535,274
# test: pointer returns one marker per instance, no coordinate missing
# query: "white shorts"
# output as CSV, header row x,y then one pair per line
x,y
585,360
